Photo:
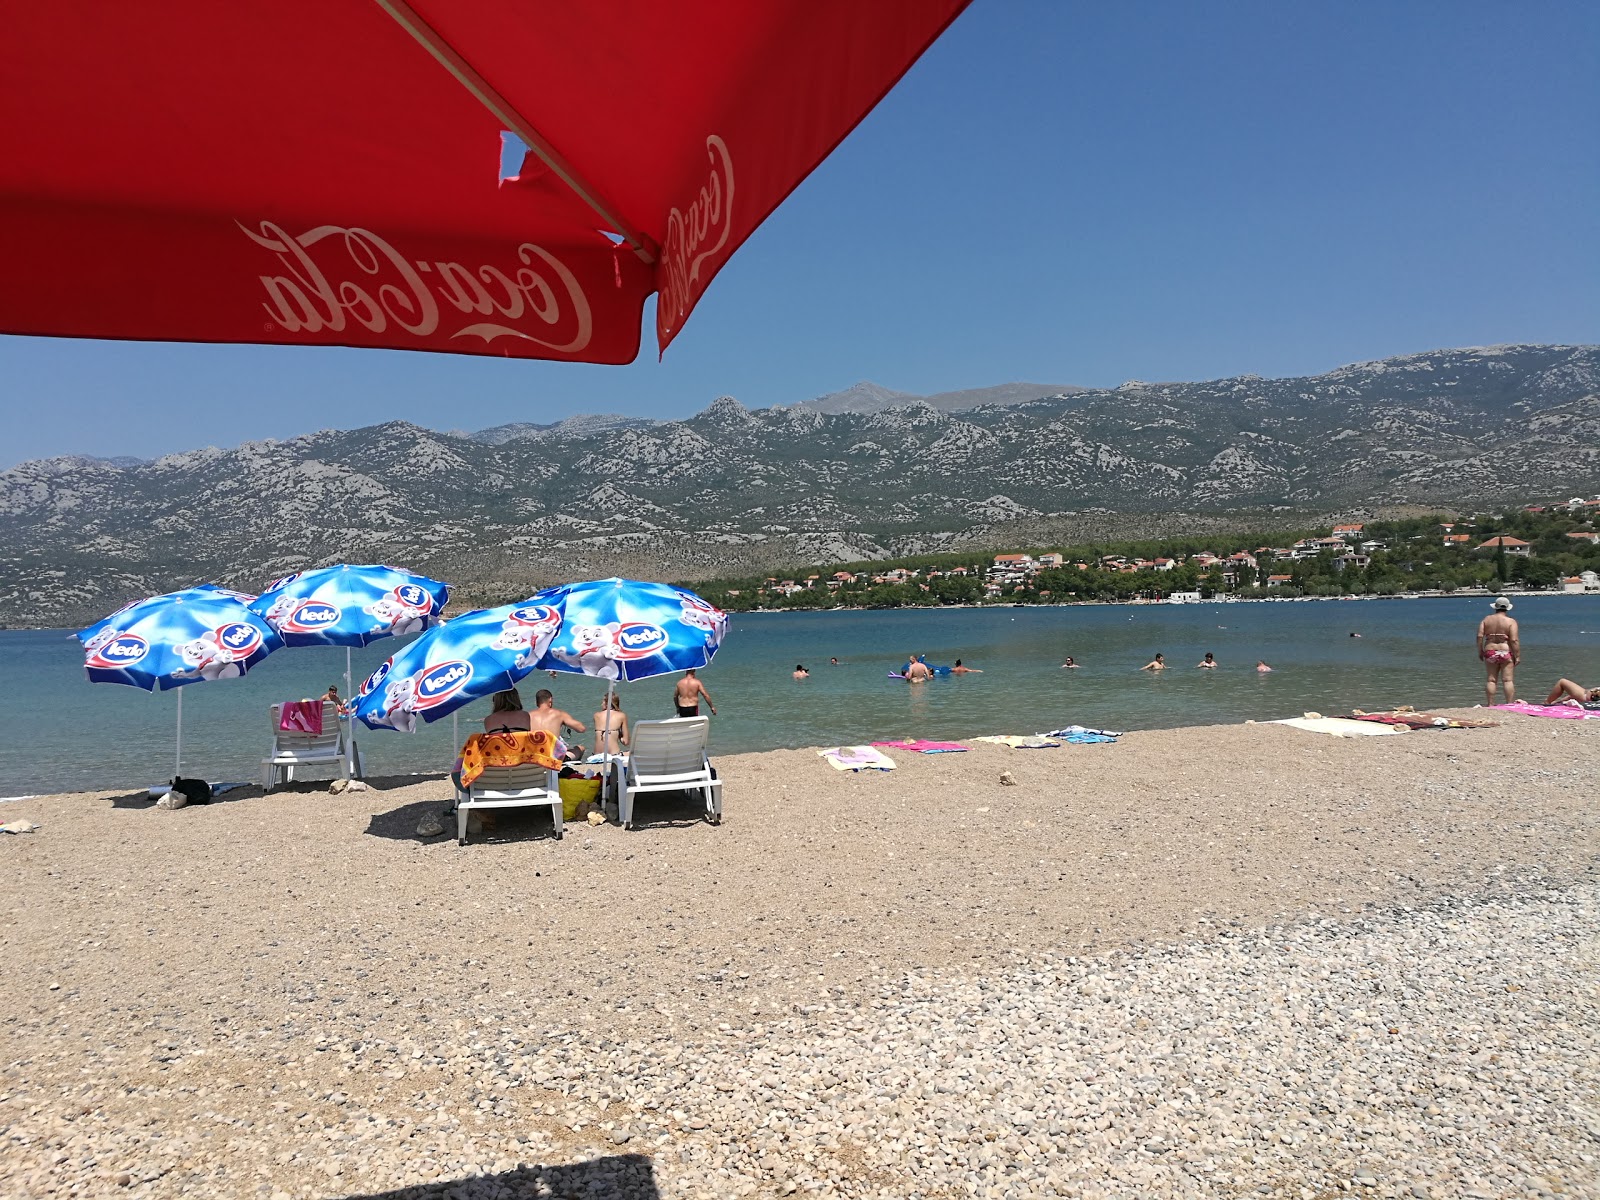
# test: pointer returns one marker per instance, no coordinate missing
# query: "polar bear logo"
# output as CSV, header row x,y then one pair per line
x,y
594,650
527,640
398,618
698,615
399,704
109,633
209,659
279,610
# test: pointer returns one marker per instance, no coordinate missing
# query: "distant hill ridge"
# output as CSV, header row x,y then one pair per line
x,y
733,490
862,397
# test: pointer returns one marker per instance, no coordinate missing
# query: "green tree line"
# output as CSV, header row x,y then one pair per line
x,y
1414,558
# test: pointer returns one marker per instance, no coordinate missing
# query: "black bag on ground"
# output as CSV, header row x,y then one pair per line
x,y
194,791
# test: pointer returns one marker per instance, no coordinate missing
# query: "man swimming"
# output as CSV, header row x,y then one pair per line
x,y
1209,662
1070,665
918,672
800,672
1262,667
958,669
1155,664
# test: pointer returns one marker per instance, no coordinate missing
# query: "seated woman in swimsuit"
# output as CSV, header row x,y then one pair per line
x,y
611,727
505,712
1568,692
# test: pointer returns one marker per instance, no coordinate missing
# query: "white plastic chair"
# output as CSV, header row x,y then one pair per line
x,y
668,756
291,749
510,787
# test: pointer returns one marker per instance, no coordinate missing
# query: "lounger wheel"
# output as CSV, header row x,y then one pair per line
x,y
461,841
560,834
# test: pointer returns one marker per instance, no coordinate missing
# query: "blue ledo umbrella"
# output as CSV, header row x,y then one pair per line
x,y
351,605
622,629
199,634
463,659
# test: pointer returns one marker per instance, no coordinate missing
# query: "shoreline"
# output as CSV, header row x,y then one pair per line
x,y
1460,594
1463,594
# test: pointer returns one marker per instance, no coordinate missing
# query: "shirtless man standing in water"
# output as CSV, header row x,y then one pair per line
x,y
1500,650
687,695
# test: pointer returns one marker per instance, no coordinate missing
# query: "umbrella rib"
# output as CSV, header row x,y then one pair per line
x,y
448,57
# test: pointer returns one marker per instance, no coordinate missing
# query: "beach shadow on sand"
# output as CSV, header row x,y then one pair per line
x,y
141,799
657,811
510,824
620,1176
669,810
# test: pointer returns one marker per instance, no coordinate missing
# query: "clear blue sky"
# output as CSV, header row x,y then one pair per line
x,y
1059,193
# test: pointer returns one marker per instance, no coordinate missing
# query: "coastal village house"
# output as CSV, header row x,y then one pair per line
x,y
1584,581
1343,549
1510,545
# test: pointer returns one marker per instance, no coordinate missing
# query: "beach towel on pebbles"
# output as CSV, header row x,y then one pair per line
x,y
924,746
856,758
1079,735
1560,712
1342,726
1019,742
1415,720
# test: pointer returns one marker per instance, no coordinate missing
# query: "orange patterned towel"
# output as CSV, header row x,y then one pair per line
x,y
507,750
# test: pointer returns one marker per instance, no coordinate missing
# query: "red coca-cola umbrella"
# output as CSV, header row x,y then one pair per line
x,y
327,172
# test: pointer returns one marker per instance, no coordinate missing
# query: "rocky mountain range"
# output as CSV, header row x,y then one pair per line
x,y
861,474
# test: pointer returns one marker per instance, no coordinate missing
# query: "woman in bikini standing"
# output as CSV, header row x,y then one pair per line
x,y
1500,650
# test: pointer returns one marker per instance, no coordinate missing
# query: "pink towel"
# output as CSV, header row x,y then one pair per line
x,y
1563,711
923,746
301,716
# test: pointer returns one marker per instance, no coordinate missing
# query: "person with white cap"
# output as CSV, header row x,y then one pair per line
x,y
1500,649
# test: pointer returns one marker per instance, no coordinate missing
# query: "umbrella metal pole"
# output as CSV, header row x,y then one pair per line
x,y
607,779
177,768
349,693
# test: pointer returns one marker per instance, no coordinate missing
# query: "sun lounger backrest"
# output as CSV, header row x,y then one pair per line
x,y
519,778
328,740
671,747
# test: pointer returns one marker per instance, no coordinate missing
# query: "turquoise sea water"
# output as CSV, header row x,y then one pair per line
x,y
65,734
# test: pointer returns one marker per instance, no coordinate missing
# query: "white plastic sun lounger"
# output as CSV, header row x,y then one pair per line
x,y
668,756
510,787
290,749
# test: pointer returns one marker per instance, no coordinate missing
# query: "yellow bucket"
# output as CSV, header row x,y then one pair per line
x,y
576,791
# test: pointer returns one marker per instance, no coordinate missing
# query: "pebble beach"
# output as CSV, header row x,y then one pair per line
x,y
1225,961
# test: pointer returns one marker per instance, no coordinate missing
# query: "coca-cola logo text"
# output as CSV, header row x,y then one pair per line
x,y
693,237
334,276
